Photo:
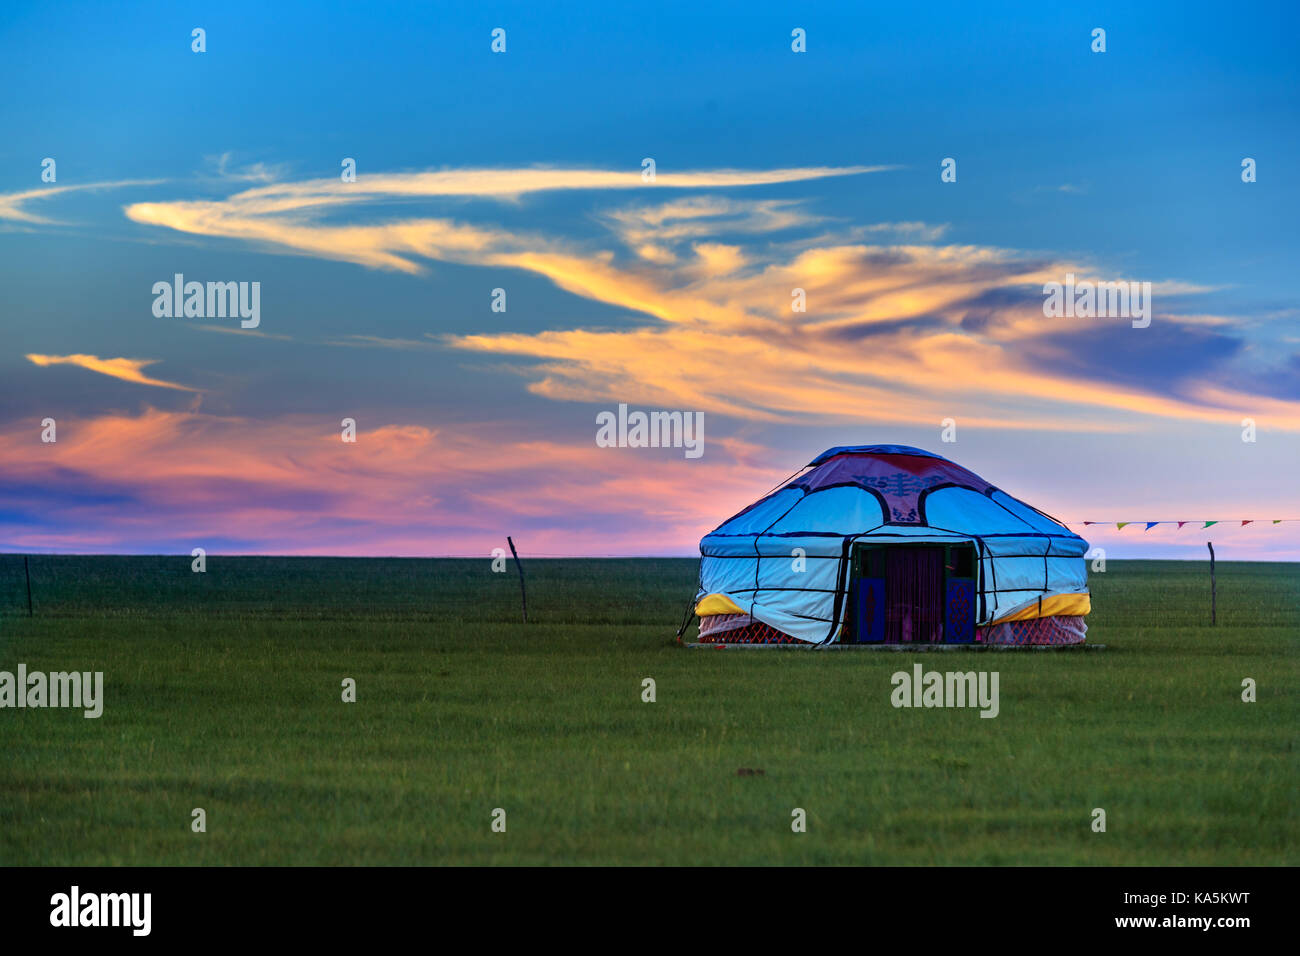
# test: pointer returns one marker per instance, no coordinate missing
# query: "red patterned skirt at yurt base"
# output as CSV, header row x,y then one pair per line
x,y
1049,631
1058,629
740,629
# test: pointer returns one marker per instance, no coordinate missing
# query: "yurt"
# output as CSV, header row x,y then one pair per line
x,y
888,544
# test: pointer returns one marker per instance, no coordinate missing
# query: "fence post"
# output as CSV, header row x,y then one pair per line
x,y
522,593
1214,611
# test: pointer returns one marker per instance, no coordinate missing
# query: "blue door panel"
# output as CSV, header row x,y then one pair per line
x,y
871,610
959,611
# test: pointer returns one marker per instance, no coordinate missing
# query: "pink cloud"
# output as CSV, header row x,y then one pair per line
x,y
293,486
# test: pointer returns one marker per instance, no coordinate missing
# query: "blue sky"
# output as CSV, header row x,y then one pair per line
x,y
1119,165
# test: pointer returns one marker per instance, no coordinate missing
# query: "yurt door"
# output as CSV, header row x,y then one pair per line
x,y
914,595
900,594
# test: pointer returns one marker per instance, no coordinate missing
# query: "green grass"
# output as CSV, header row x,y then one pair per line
x,y
223,692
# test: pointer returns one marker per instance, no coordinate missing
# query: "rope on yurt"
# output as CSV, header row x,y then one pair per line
x,y
690,606
783,483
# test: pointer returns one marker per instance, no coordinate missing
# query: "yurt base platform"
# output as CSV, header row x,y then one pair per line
x,y
901,648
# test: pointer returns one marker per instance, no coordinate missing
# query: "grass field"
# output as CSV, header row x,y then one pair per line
x,y
223,692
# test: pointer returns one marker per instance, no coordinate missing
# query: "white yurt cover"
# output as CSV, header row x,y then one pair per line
x,y
1029,565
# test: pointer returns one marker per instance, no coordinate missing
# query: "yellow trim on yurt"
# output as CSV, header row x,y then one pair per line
x,y
717,604
1066,605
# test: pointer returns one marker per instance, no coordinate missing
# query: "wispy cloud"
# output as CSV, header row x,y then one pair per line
x,y
126,369
252,333
224,169
382,342
892,334
13,205
899,326
700,216
290,215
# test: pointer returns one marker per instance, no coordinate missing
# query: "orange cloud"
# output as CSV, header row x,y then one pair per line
x,y
126,369
883,340
888,334
286,214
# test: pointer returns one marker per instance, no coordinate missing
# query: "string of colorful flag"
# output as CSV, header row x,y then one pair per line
x,y
1120,525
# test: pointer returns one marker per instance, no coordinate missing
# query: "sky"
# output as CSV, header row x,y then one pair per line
x,y
524,170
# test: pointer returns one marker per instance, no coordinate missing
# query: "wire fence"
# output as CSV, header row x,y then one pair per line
x,y
585,590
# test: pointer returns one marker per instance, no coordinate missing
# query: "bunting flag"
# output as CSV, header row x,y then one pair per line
x,y
1148,525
